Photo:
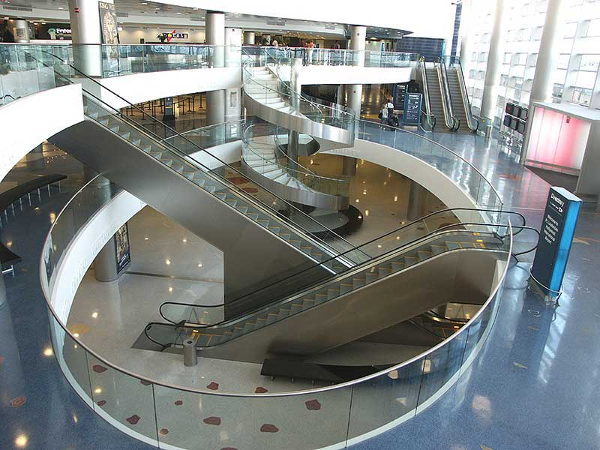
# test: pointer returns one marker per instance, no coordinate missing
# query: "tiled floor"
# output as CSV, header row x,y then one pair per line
x,y
535,385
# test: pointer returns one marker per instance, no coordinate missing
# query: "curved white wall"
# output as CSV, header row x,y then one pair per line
x,y
427,176
29,121
351,75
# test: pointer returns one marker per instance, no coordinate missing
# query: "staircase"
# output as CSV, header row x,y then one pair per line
x,y
264,161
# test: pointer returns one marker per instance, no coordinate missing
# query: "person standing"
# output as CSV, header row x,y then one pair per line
x,y
383,117
309,52
390,110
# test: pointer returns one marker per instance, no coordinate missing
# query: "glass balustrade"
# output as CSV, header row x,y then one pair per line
x,y
167,415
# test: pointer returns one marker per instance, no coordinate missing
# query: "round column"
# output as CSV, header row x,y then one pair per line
x,y
249,37
215,35
20,30
233,58
86,35
494,63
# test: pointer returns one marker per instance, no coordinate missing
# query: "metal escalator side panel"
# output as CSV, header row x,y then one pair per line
x,y
253,256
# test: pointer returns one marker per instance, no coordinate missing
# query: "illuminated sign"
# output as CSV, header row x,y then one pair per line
x,y
556,237
172,35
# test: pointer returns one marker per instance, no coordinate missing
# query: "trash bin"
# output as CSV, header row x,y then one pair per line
x,y
190,357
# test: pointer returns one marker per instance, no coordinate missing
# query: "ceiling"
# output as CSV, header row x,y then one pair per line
x,y
139,12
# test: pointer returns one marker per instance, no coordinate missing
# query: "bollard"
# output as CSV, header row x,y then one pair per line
x,y
488,131
190,357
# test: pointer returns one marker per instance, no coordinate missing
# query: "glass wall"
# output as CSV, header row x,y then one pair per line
x,y
578,55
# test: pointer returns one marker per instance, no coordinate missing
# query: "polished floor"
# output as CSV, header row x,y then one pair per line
x,y
534,386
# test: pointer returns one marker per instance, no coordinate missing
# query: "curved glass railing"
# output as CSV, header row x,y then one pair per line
x,y
269,151
165,414
450,163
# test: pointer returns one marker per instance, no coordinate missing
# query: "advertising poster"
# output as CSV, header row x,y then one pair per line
x,y
110,36
122,248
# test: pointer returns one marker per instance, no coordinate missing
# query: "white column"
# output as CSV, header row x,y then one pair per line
x,y
85,29
249,37
215,35
494,64
358,45
340,94
20,30
541,88
464,41
233,58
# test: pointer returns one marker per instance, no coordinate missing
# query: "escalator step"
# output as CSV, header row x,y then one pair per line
x,y
271,317
320,298
221,195
452,245
332,293
283,313
136,142
358,282
424,255
296,308
242,209
437,249
274,229
210,189
253,215
396,266
93,116
384,271
104,122
285,236
370,277
126,135
231,201
345,288
410,260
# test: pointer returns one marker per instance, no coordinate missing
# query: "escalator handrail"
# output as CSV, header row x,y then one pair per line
x,y
447,319
455,61
265,308
524,226
196,163
432,235
427,102
454,123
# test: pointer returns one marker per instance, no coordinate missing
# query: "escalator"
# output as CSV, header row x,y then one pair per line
x,y
409,275
256,230
459,96
437,98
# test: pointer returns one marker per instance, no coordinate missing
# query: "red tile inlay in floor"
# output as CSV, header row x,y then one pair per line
x,y
179,403
98,368
19,401
260,390
313,405
164,431
250,190
238,180
212,421
133,420
1,360
101,403
145,383
213,386
269,428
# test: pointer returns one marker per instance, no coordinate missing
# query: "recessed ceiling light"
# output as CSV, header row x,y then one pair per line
x,y
60,7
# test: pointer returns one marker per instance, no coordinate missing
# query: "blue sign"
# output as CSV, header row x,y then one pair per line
x,y
412,109
556,237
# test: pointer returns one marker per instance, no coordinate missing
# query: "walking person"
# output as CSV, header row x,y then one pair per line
x,y
310,47
383,117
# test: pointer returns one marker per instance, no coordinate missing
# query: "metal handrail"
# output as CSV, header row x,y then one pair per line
x,y
202,167
451,121
449,229
455,61
431,119
397,230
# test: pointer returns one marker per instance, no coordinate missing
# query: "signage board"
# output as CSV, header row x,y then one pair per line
x,y
412,108
556,237
123,252
398,93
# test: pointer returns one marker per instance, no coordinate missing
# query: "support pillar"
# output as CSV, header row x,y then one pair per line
x,y
416,201
215,35
296,87
233,58
340,95
354,91
20,30
85,29
349,166
542,84
35,159
465,42
249,37
494,64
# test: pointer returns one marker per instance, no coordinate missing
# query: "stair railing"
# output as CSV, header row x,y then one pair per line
x,y
426,116
472,121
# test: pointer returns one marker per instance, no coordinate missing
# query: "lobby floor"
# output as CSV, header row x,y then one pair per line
x,y
533,386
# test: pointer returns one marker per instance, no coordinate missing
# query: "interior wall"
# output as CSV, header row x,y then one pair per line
x,y
132,35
